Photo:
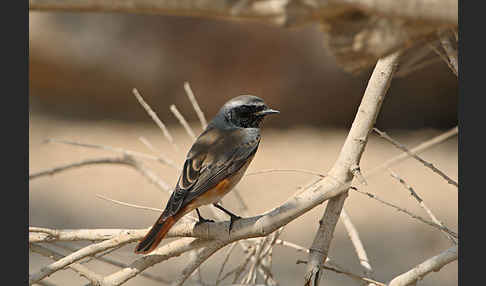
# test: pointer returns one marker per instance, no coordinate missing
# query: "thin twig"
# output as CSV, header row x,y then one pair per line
x,y
201,256
450,51
443,57
422,204
108,148
195,105
155,118
128,205
58,169
183,122
158,152
416,150
353,235
432,224
226,258
415,156
127,160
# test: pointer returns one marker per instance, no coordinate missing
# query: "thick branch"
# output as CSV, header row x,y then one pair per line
x,y
349,157
275,12
322,241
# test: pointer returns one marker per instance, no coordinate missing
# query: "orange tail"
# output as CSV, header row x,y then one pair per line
x,y
155,235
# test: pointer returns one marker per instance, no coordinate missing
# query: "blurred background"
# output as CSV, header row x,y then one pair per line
x,y
83,66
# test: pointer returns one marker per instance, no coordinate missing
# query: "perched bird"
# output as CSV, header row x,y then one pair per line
x,y
215,164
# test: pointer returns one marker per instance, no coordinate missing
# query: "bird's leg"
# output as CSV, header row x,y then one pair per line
x,y
232,215
201,219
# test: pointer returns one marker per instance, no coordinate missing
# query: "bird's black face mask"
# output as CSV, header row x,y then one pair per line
x,y
247,116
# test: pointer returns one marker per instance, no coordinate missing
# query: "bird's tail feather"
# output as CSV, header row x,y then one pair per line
x,y
155,235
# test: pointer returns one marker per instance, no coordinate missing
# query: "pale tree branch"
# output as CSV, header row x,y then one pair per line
x,y
80,254
432,264
322,240
353,235
272,12
83,271
349,157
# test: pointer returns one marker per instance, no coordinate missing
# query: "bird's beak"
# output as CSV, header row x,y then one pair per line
x,y
267,111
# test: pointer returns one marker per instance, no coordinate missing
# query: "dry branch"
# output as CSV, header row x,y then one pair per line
x,y
349,157
155,118
432,264
415,156
422,205
357,244
357,32
127,160
322,241
93,277
416,150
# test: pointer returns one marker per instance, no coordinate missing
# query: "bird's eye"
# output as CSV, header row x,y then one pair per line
x,y
244,110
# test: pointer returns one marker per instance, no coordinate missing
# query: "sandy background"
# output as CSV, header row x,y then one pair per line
x,y
394,241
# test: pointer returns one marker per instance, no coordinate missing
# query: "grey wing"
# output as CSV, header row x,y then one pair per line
x,y
201,174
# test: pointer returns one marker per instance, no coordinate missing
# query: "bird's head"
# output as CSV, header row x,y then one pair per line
x,y
246,111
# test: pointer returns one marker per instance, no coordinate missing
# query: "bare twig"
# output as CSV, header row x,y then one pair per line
x,y
158,152
416,150
55,170
183,122
129,205
201,256
443,57
432,224
134,154
422,204
195,105
432,264
358,245
127,160
450,51
155,118
226,258
415,156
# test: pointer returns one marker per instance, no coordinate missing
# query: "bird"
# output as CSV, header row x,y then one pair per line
x,y
213,166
